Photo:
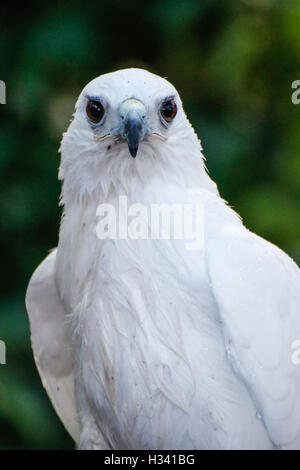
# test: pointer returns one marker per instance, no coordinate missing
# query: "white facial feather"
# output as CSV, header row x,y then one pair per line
x,y
89,165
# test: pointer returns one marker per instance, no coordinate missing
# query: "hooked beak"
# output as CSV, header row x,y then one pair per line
x,y
133,114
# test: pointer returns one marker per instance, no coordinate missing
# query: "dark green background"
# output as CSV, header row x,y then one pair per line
x,y
233,63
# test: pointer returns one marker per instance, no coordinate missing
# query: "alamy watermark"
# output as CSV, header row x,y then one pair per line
x,y
155,221
2,92
2,352
296,354
296,94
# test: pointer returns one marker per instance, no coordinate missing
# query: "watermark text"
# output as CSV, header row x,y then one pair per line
x,y
2,352
296,354
296,94
2,92
155,221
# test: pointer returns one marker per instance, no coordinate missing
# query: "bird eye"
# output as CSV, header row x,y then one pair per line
x,y
95,111
168,110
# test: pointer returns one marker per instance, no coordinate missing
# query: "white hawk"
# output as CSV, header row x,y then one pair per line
x,y
144,343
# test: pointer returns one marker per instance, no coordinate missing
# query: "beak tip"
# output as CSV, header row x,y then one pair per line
x,y
133,151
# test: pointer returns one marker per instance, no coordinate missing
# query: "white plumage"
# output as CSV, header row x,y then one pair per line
x,y
165,348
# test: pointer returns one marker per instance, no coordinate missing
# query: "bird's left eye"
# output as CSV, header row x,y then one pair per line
x,y
168,110
95,111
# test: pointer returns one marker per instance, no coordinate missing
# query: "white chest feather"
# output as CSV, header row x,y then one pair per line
x,y
150,339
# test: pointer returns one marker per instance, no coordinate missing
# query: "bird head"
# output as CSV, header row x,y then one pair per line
x,y
127,124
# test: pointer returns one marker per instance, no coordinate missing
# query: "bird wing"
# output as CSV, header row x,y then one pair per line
x,y
257,290
51,343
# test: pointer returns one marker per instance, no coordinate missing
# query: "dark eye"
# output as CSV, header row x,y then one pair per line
x,y
95,111
168,110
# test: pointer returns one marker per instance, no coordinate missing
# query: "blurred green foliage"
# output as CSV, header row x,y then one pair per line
x,y
233,62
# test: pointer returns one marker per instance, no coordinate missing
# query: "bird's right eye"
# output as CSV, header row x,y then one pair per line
x,y
95,111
